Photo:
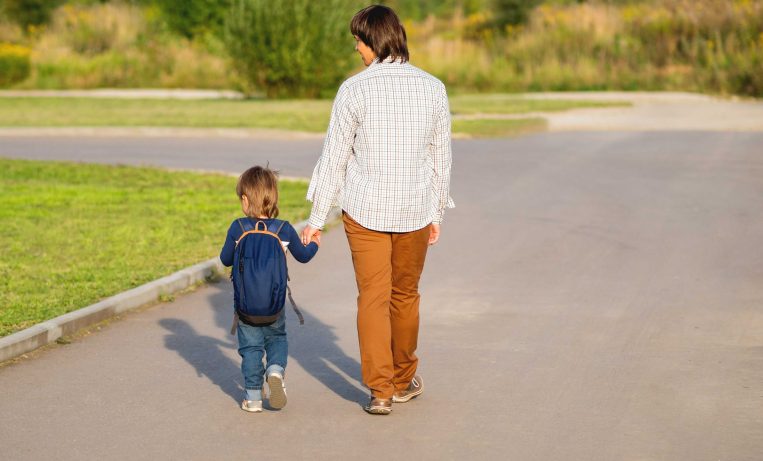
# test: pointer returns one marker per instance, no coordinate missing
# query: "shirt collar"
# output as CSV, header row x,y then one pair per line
x,y
388,60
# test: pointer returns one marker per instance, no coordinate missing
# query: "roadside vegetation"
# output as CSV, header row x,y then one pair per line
x,y
298,115
473,45
76,233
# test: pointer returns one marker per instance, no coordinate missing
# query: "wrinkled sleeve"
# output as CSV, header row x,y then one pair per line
x,y
226,254
329,174
441,160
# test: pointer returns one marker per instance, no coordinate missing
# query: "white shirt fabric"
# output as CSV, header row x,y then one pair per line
x,y
387,156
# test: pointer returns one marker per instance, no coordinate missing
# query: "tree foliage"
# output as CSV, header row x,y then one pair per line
x,y
512,12
296,48
30,13
194,17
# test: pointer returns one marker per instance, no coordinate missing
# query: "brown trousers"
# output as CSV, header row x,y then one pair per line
x,y
388,266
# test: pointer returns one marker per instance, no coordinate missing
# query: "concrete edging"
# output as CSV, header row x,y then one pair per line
x,y
46,332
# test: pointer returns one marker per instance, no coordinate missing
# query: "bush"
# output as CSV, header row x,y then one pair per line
x,y
194,17
512,12
15,64
290,49
687,45
88,30
28,13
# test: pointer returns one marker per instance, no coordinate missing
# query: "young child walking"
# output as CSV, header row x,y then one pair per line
x,y
262,336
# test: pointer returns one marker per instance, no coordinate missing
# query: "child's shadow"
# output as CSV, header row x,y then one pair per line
x,y
205,354
312,345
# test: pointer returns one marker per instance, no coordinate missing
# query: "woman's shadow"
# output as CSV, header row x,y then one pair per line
x,y
317,352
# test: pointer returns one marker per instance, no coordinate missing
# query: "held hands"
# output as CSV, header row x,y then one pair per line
x,y
311,234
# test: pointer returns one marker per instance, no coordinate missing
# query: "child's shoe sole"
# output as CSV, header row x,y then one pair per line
x,y
277,397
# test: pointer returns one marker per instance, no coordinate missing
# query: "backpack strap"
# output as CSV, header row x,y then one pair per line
x,y
235,322
294,306
242,221
288,288
278,231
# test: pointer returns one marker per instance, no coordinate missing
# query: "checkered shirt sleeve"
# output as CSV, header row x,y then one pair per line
x,y
387,155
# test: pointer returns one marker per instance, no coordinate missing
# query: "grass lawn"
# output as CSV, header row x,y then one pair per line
x,y
76,233
300,115
496,128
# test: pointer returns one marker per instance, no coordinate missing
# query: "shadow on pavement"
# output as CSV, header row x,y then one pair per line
x,y
205,354
312,345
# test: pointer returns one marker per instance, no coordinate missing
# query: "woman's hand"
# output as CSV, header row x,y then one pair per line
x,y
434,233
310,234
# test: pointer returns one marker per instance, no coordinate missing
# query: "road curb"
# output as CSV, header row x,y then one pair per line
x,y
49,331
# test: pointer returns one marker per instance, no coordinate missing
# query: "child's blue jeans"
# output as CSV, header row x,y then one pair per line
x,y
256,342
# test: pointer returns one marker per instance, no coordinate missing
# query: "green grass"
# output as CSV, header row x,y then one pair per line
x,y
495,128
76,233
299,115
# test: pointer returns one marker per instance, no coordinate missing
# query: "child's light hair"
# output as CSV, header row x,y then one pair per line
x,y
260,186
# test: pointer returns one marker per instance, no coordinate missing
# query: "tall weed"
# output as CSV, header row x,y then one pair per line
x,y
122,45
14,63
699,45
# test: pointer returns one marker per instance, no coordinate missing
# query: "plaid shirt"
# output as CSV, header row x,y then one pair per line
x,y
386,158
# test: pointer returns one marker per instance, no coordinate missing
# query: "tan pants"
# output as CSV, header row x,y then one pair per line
x,y
388,266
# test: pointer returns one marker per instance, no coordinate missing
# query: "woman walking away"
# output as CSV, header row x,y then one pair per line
x,y
386,162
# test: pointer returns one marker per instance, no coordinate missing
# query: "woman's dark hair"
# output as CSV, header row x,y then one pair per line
x,y
379,27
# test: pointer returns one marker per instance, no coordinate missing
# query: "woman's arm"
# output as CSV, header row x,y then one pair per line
x,y
329,174
441,157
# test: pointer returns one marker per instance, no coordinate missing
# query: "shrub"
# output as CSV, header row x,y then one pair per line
x,y
194,17
15,64
512,12
88,31
28,13
290,49
689,45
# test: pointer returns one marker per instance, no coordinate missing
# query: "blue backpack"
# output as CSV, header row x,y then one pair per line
x,y
260,276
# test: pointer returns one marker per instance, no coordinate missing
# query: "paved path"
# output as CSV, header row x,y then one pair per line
x,y
658,112
595,296
649,111
294,158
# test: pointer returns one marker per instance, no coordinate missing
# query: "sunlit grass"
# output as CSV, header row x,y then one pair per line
x,y
298,115
76,233
498,128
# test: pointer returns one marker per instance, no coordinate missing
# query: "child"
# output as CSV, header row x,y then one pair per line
x,y
257,189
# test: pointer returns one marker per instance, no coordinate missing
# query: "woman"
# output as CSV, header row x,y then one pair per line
x,y
386,161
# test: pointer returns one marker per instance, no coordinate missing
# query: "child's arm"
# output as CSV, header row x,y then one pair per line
x,y
226,254
302,253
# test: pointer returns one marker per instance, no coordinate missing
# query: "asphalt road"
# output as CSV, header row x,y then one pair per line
x,y
293,158
595,296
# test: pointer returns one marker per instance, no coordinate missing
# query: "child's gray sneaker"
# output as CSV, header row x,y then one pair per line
x,y
277,388
252,406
